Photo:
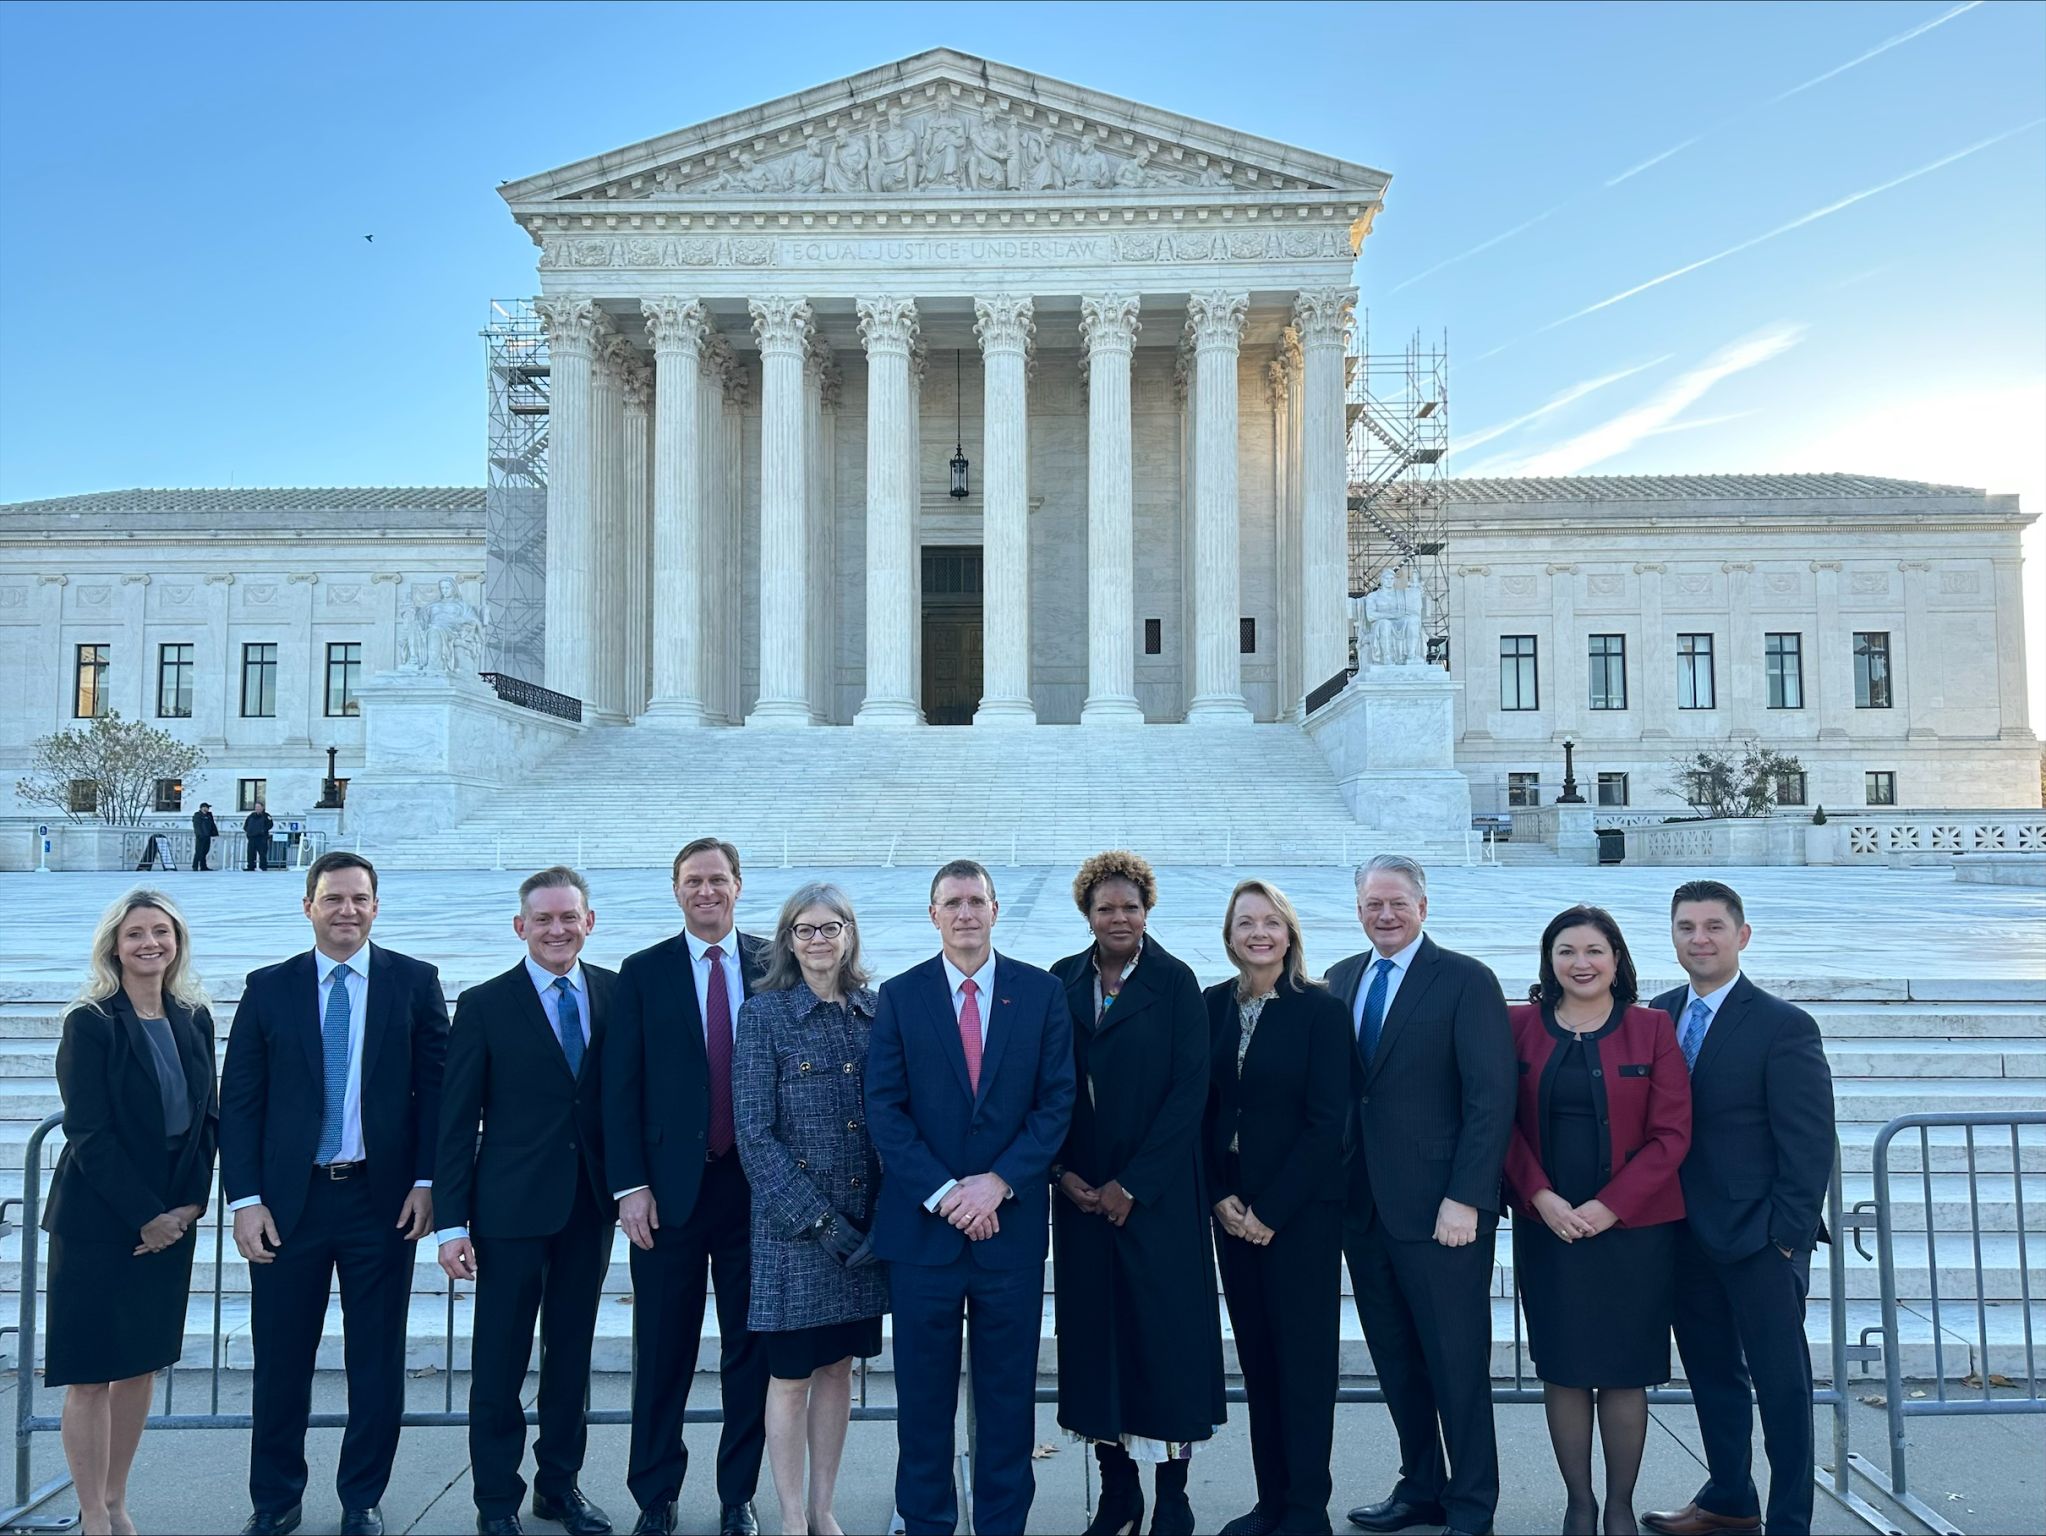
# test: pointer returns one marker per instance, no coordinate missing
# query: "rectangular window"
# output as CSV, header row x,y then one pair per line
x,y
174,682
344,676
1871,671
170,794
92,682
1608,671
1518,688
1783,660
1246,636
1612,789
1790,788
249,791
1154,637
259,680
1881,788
1694,672
84,798
1523,789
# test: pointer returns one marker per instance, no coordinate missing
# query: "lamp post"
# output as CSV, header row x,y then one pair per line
x,y
1570,796
959,465
330,787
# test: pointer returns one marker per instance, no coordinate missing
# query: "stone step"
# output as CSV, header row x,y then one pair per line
x,y
1929,1021
1885,1098
1947,1145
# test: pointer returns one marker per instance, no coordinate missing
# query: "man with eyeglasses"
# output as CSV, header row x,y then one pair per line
x,y
969,1093
671,1158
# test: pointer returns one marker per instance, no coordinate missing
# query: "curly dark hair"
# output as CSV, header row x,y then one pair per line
x,y
1115,864
1626,985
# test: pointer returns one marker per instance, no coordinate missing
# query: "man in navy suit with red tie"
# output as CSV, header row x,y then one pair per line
x,y
969,1092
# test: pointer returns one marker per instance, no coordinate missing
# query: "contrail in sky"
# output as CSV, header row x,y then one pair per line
x,y
1676,149
1569,396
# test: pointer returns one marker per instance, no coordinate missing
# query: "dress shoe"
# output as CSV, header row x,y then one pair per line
x,y
362,1522
1693,1521
656,1520
574,1513
737,1520
1256,1523
499,1525
282,1523
1395,1515
1451,1530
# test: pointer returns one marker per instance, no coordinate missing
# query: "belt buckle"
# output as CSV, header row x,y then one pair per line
x,y
338,1173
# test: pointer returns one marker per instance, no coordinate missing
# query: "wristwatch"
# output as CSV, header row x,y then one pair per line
x,y
828,1222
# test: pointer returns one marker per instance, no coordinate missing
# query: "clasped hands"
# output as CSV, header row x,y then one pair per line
x,y
1110,1200
166,1229
1572,1222
970,1205
1239,1220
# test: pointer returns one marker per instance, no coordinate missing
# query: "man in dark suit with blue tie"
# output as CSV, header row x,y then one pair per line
x,y
671,1158
1755,1179
969,1093
1435,1077
524,1208
329,1114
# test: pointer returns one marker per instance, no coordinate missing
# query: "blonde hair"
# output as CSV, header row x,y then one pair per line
x,y
1296,955
784,970
103,968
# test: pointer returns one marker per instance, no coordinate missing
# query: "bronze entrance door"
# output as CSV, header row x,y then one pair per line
x,y
952,633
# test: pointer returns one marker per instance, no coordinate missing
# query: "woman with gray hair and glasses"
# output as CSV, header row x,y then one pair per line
x,y
798,1100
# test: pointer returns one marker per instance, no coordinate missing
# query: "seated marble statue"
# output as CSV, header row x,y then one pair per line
x,y
444,636
1395,615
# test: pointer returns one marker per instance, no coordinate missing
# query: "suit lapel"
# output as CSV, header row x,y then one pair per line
x,y
144,1054
683,959
304,983
1135,996
377,1010
1001,1024
534,1012
937,1000
195,1050
1733,1013
1414,986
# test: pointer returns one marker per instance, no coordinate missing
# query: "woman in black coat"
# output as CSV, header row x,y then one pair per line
x,y
1139,1332
141,1121
1278,1103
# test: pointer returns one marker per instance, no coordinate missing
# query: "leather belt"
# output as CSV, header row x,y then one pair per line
x,y
340,1171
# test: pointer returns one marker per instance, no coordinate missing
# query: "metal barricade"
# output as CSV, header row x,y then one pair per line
x,y
1984,1381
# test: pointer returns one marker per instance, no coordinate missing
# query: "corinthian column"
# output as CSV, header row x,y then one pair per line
x,y
1004,326
676,328
637,384
571,598
887,327
607,495
783,325
1109,326
1321,319
1216,321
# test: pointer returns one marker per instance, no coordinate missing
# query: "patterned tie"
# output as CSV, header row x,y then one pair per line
x,y
571,1018
1694,1032
1374,1011
717,1045
969,1030
334,1067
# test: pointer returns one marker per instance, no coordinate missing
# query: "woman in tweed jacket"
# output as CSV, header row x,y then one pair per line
x,y
798,1099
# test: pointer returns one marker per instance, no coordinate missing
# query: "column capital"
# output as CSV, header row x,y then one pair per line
x,y
572,322
1278,383
638,381
1322,315
674,325
1289,347
1109,322
1182,371
782,324
614,356
1004,323
919,360
1215,320
887,324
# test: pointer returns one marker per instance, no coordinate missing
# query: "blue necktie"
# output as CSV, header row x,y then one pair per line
x,y
1374,1011
1694,1032
571,1019
334,1066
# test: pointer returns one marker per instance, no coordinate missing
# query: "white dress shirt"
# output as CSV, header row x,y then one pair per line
x,y
352,1147
1401,959
984,983
699,967
1713,1001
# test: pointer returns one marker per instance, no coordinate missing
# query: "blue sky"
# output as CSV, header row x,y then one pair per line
x,y
186,297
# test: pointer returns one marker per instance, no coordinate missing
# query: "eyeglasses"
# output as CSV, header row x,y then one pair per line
x,y
805,932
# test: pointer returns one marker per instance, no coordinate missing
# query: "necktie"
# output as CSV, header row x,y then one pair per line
x,y
1694,1032
969,1030
334,1066
1374,1010
571,1020
717,1045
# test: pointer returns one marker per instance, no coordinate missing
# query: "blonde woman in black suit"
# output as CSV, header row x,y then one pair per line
x,y
141,1120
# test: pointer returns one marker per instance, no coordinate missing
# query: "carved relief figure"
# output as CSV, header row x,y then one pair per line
x,y
894,167
988,168
1084,165
1038,166
443,637
747,176
944,149
1140,173
845,162
806,170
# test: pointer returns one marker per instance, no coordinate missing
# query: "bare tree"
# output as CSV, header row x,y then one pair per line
x,y
1719,781
122,761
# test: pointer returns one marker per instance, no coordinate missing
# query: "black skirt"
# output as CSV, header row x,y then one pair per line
x,y
114,1313
794,1353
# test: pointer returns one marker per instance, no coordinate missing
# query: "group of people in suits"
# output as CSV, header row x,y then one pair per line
x,y
754,1113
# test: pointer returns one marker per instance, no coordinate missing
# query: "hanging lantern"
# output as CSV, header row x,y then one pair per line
x,y
959,465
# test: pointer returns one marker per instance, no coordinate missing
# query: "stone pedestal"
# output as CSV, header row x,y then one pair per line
x,y
1390,737
436,750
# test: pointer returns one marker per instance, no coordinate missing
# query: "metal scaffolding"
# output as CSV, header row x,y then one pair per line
x,y
1397,431
515,505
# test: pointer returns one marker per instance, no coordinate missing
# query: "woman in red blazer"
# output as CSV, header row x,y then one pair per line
x,y
1603,1121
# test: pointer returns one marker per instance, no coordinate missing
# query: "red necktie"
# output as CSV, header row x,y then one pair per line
x,y
969,1030
717,1045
